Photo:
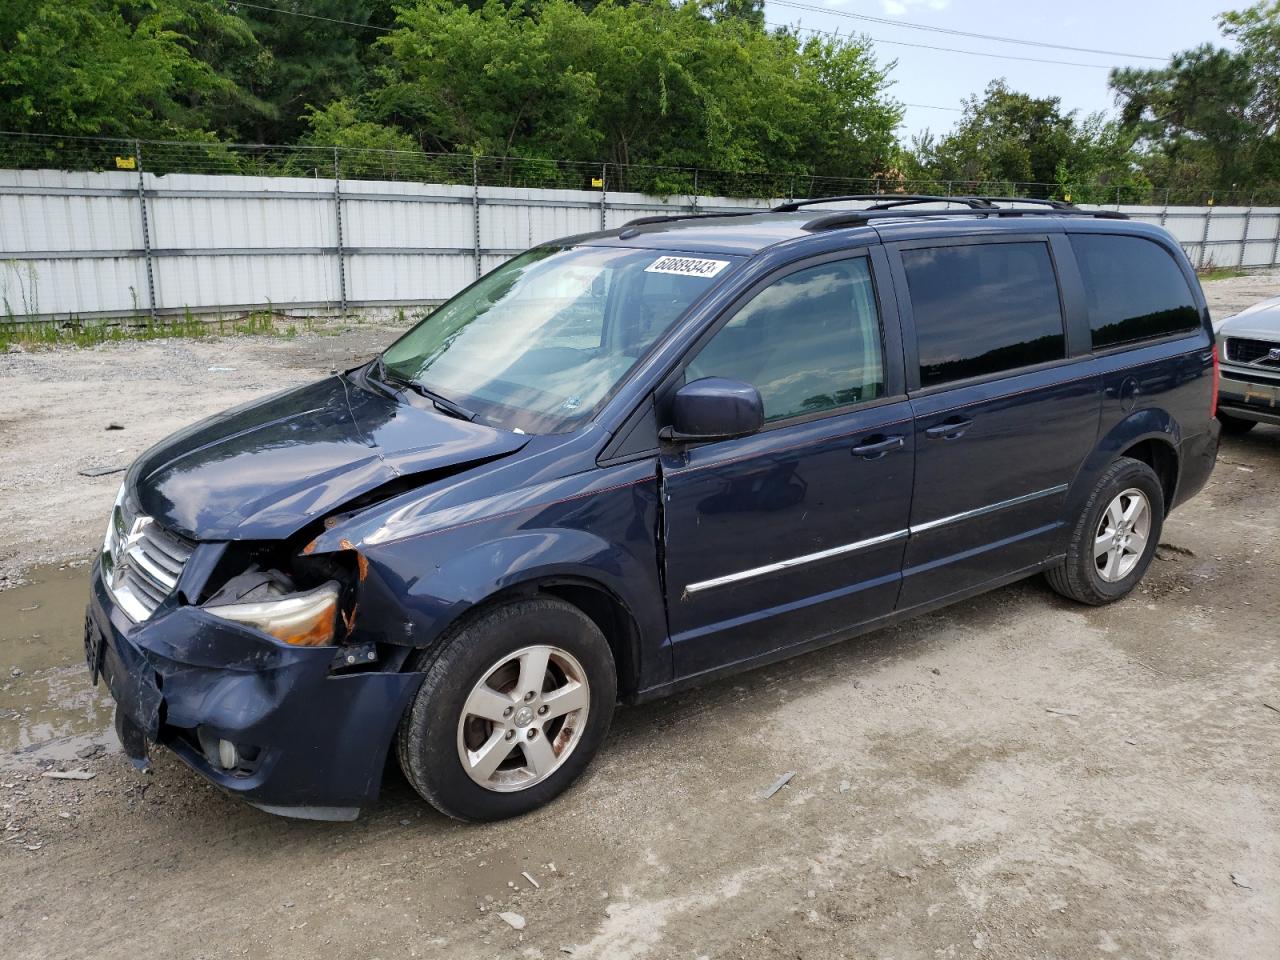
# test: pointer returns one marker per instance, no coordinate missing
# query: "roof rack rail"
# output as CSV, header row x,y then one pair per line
x,y
1056,204
882,201
855,218
668,217
792,205
976,203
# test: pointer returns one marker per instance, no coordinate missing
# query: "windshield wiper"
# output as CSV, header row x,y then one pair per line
x,y
444,404
440,402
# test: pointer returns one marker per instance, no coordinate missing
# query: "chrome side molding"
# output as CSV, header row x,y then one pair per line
x,y
827,554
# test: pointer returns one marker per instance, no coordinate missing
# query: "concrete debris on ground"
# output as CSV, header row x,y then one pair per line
x,y
777,785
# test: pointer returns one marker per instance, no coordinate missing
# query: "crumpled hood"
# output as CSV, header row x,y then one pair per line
x,y
263,470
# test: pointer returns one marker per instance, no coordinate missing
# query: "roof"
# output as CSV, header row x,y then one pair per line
x,y
732,234
887,217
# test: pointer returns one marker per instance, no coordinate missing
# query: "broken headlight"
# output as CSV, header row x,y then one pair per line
x,y
307,619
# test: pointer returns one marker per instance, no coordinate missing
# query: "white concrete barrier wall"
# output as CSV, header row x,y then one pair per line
x,y
78,244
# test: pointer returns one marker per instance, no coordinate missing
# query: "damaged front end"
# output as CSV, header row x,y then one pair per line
x,y
247,660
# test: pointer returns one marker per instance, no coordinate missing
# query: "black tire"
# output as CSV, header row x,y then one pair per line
x,y
427,742
1077,577
1235,425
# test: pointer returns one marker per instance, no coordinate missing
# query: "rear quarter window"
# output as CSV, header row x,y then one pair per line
x,y
1134,290
983,308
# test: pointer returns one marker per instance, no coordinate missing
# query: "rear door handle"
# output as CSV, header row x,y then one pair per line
x,y
949,429
873,449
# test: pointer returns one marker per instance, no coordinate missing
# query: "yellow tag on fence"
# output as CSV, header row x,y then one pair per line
x,y
126,163
597,181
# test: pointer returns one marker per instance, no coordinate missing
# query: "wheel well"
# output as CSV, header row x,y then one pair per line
x,y
604,609
614,620
1161,458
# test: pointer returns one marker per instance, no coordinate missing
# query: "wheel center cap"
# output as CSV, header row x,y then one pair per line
x,y
523,717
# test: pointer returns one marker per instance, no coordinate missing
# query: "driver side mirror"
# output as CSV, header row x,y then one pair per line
x,y
714,408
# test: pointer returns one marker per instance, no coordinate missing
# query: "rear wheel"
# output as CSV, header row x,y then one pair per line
x,y
1115,537
1232,424
511,711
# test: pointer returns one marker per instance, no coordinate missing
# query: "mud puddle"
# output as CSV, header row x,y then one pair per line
x,y
48,710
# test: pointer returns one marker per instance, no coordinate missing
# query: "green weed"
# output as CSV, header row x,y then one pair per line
x,y
88,333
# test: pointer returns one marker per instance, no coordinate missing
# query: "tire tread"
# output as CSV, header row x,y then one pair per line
x,y
1071,577
442,663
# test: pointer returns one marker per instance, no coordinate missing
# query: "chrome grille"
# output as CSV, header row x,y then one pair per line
x,y
141,561
1260,352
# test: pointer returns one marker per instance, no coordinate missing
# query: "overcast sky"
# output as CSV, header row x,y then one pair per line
x,y
934,78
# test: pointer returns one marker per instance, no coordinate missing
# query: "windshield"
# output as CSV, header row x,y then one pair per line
x,y
541,342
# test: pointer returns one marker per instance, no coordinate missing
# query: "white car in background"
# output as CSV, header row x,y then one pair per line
x,y
1249,355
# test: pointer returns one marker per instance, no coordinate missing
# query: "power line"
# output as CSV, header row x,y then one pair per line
x,y
898,43
926,46
958,33
309,16
933,106
777,26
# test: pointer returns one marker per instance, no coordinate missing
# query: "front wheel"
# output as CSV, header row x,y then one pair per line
x,y
511,711
1115,537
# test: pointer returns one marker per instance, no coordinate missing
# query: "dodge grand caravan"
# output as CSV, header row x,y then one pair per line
x,y
627,462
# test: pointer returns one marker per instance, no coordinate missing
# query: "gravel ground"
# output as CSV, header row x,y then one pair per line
x,y
1014,776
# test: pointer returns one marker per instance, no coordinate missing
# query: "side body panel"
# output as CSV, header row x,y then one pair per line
x,y
1159,390
795,532
777,538
429,563
990,491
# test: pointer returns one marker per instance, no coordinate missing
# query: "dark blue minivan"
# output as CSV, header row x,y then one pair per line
x,y
626,462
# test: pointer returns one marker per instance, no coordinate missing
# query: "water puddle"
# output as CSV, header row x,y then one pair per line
x,y
48,711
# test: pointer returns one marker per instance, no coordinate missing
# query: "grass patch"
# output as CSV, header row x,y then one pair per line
x,y
89,333
1222,273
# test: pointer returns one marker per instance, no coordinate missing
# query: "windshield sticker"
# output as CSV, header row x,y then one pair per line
x,y
686,266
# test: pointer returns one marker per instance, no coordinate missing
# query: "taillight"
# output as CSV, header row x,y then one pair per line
x,y
1213,404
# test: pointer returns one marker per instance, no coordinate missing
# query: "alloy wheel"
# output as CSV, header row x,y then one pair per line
x,y
523,718
1121,537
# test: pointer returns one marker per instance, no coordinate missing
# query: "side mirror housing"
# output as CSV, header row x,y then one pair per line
x,y
714,408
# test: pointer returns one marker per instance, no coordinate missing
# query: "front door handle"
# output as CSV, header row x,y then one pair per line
x,y
873,449
949,429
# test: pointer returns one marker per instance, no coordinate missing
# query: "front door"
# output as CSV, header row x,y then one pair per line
x,y
797,532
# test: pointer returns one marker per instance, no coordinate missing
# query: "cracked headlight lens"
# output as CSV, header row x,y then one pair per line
x,y
303,619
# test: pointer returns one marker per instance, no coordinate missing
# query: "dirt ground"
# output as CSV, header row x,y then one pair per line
x,y
1013,777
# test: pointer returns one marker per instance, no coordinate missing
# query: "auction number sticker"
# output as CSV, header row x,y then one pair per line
x,y
687,266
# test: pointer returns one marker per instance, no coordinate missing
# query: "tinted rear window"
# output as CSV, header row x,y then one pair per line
x,y
1134,289
983,308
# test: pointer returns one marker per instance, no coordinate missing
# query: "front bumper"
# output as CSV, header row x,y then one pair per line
x,y
1249,394
318,740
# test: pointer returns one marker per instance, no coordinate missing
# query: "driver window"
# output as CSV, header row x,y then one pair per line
x,y
808,342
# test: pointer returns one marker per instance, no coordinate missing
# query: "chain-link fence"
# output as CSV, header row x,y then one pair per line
x,y
38,151
97,228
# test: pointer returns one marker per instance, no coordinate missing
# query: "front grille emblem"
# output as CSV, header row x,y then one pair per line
x,y
120,555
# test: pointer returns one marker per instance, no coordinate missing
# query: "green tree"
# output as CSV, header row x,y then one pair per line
x,y
111,67
659,83
1004,136
1209,120
303,59
1007,140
